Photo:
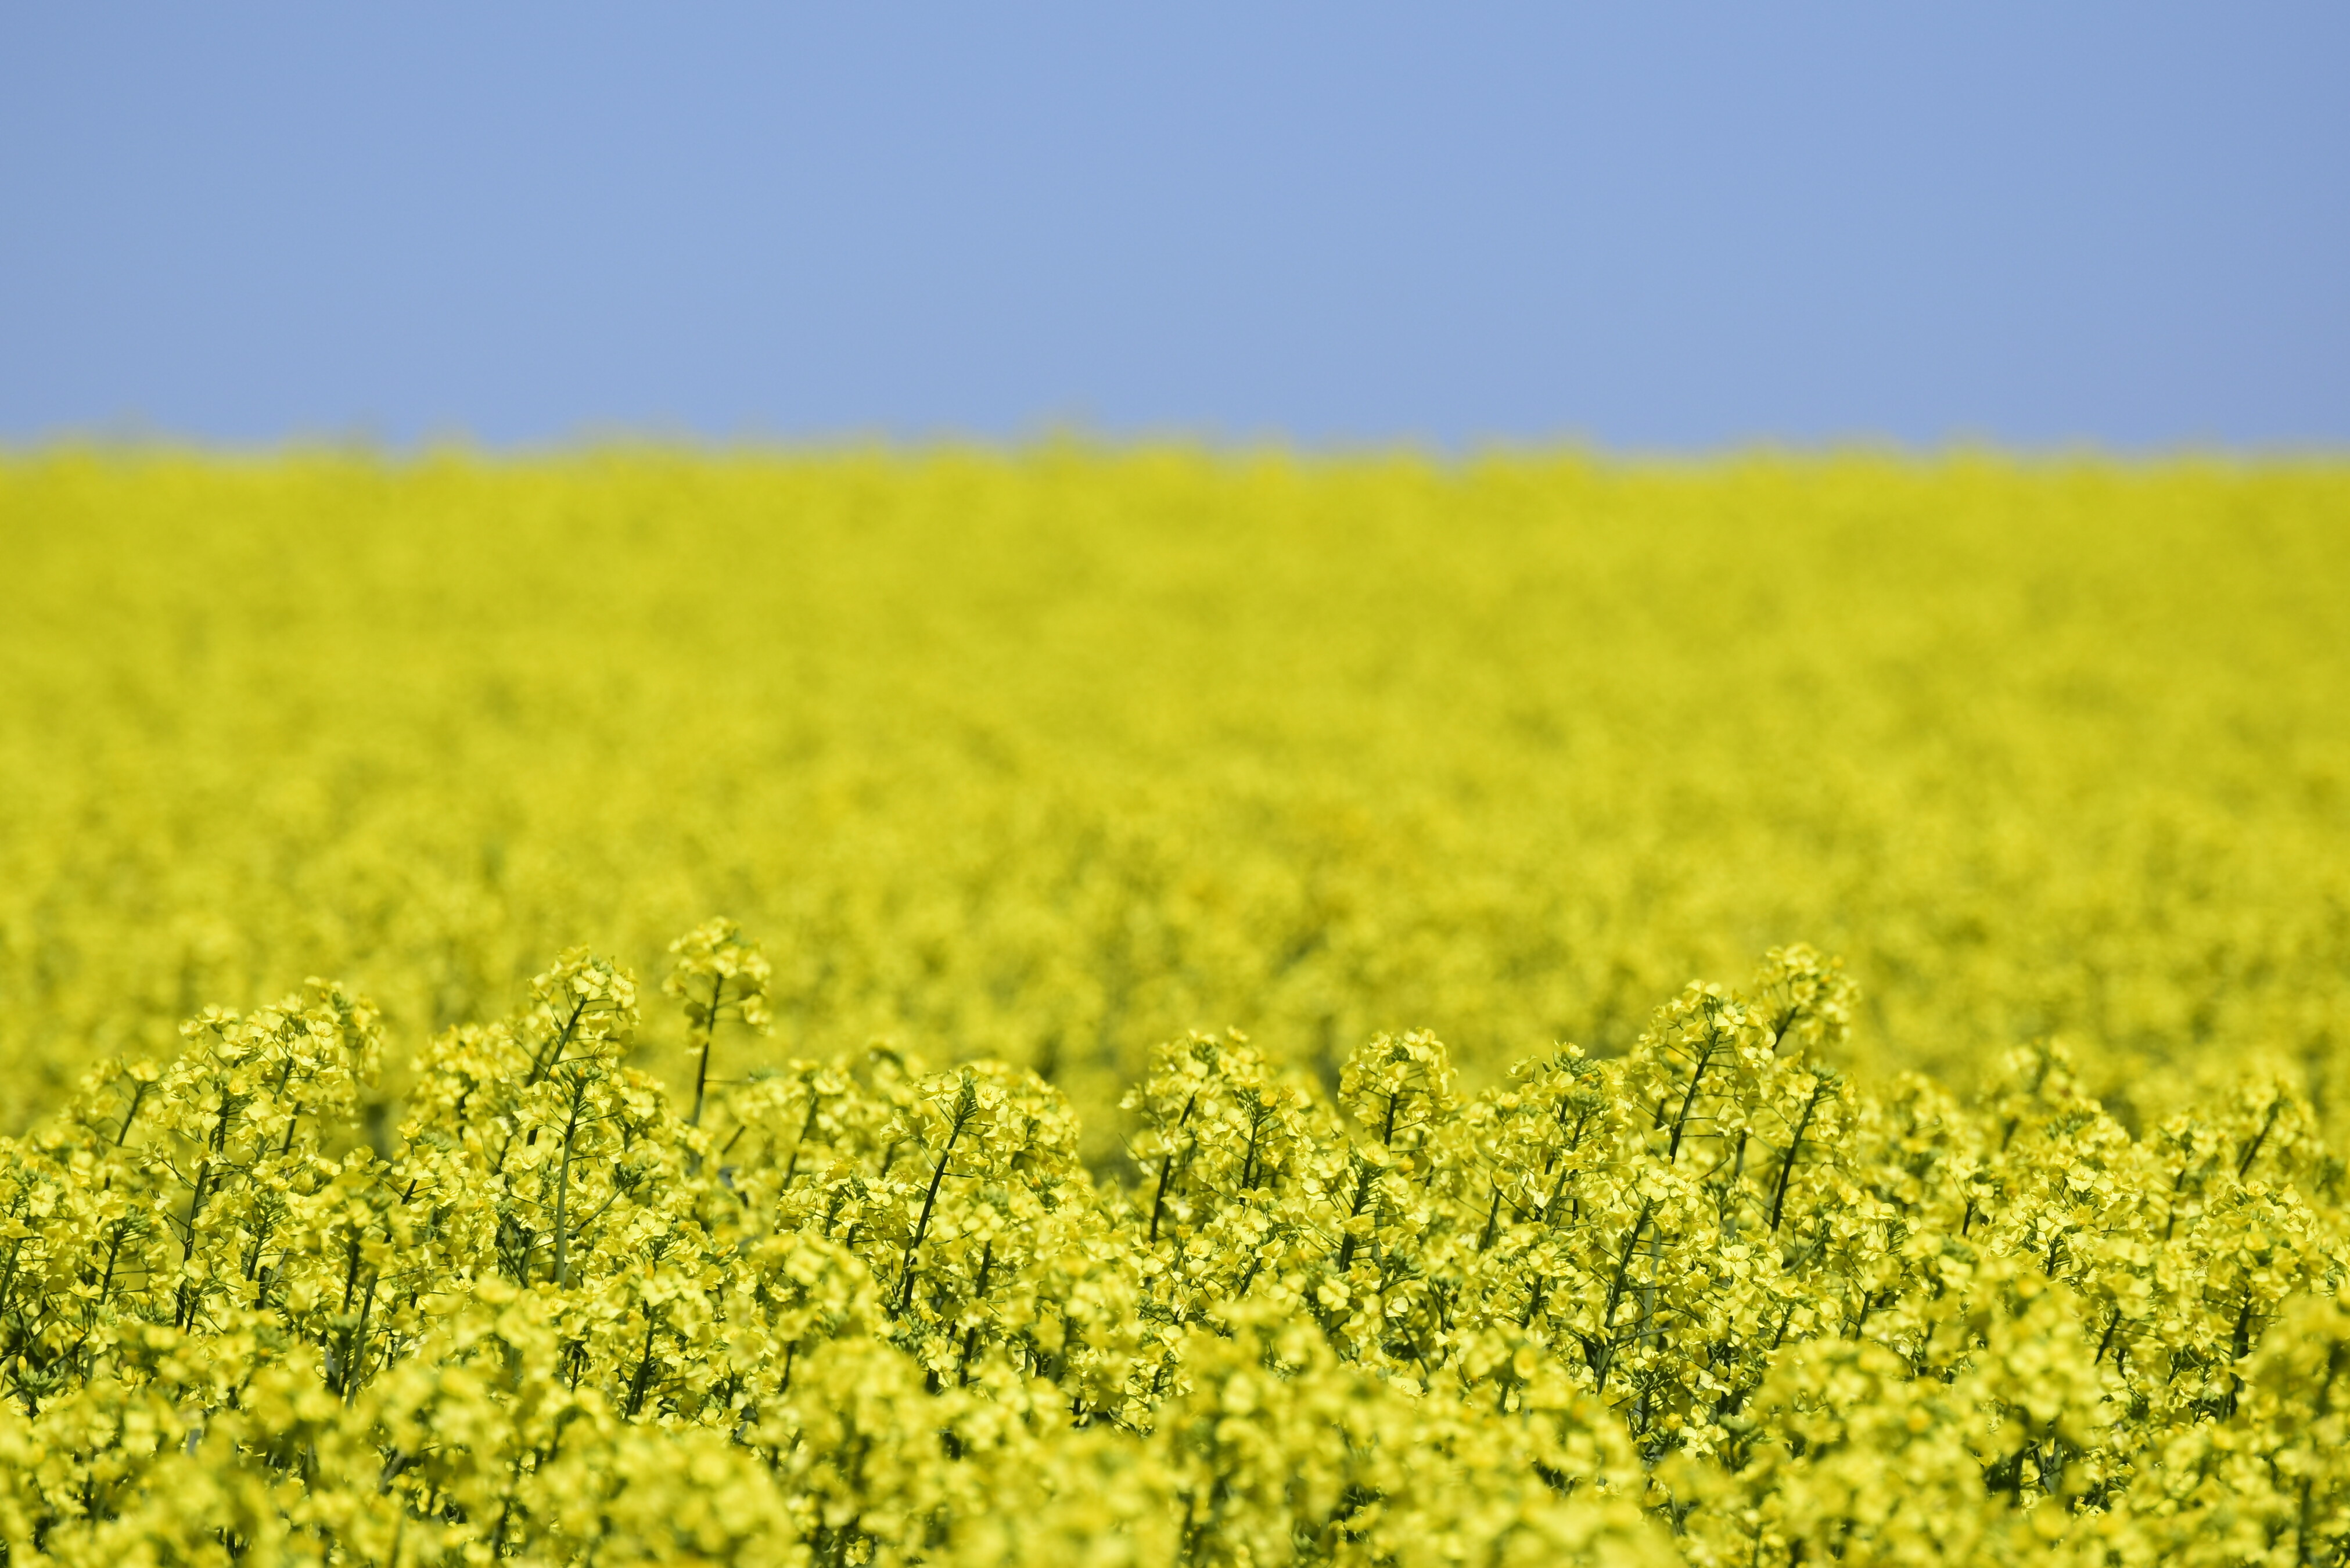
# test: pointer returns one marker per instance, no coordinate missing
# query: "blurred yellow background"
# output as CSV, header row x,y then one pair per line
x,y
1053,754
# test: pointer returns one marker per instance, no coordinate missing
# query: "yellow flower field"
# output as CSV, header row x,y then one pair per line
x,y
1199,1060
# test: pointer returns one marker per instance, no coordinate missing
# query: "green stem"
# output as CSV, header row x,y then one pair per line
x,y
966,1106
709,1034
563,1188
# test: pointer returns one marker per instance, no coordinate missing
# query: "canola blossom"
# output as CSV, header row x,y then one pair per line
x,y
1128,1113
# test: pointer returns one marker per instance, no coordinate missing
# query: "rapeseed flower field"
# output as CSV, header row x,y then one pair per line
x,y
1138,1006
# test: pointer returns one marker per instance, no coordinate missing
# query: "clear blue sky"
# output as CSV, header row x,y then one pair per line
x,y
1651,225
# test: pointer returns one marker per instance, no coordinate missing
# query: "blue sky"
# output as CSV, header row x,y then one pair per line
x,y
1652,226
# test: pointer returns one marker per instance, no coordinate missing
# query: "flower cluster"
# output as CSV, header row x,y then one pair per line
x,y
1715,1300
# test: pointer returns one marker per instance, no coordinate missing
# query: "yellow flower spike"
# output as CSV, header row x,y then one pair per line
x,y
717,971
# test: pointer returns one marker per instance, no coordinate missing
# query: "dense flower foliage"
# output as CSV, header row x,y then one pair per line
x,y
1132,1120
1705,1301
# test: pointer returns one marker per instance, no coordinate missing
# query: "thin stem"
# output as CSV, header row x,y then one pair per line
x,y
643,1379
709,1034
138,1094
966,1106
1167,1169
1787,1166
550,1056
563,1188
1689,1100
2252,1150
